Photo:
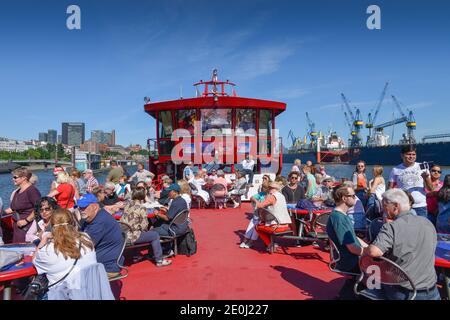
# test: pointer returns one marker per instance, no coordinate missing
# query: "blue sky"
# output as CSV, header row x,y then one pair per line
x,y
303,53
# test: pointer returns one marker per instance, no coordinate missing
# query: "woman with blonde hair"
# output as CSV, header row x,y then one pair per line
x,y
185,191
65,192
58,250
377,185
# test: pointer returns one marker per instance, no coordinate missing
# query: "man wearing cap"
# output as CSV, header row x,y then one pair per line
x,y
325,192
104,231
275,203
91,181
188,172
164,193
162,220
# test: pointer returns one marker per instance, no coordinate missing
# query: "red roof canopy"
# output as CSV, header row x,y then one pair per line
x,y
214,102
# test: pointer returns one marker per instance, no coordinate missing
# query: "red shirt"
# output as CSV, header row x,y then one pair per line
x,y
65,196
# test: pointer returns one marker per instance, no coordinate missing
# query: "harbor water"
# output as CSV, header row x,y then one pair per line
x,y
338,171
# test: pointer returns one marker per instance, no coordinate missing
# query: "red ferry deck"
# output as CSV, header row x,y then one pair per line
x,y
222,270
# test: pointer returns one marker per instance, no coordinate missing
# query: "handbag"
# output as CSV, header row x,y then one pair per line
x,y
39,285
7,258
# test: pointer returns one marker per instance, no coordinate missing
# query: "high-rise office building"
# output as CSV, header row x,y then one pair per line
x,y
102,137
113,137
73,133
43,136
59,138
52,136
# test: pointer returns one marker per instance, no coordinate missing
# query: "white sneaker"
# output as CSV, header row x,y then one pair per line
x,y
242,245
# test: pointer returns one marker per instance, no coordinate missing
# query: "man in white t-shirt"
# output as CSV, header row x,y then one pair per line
x,y
409,177
247,167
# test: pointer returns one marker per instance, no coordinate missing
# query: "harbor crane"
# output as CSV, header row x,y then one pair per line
x,y
435,136
371,120
312,131
356,140
296,142
410,123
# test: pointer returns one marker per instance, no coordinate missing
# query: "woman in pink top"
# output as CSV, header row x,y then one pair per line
x,y
64,192
221,179
432,186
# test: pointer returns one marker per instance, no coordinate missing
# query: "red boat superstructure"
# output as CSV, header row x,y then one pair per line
x,y
215,128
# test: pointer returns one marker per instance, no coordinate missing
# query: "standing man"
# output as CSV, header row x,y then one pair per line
x,y
247,167
409,177
104,231
188,172
410,241
141,174
340,230
115,173
91,181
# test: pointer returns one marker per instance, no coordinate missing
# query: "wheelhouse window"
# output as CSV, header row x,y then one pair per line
x,y
216,121
186,119
265,132
246,122
165,126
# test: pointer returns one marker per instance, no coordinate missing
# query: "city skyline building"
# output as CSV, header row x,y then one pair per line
x,y
99,136
43,136
73,133
52,136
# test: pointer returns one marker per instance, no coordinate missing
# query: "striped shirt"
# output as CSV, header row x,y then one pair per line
x,y
91,184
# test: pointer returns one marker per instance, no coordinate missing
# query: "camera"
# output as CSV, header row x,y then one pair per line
x,y
426,165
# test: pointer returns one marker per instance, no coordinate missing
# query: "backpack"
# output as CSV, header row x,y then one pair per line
x,y
375,210
187,244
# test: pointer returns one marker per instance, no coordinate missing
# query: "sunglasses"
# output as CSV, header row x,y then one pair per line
x,y
294,177
436,171
16,177
351,195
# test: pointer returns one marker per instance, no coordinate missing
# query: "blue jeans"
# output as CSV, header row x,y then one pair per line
x,y
152,237
250,173
421,211
399,293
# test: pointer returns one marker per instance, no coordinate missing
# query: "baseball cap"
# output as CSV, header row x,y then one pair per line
x,y
174,186
86,200
58,169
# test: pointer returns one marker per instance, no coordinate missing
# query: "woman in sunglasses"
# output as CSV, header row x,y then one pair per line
x,y
359,180
22,203
432,186
44,209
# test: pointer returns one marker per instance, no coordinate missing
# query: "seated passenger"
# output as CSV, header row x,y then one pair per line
x,y
110,194
57,251
275,203
325,192
123,189
135,216
221,179
239,188
199,183
293,192
356,213
250,234
410,241
43,209
104,231
340,230
162,220
185,191
164,193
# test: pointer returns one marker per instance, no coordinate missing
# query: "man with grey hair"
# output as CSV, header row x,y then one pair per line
x,y
410,241
188,172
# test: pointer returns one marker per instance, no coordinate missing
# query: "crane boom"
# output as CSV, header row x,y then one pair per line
x,y
348,107
380,102
391,123
397,104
